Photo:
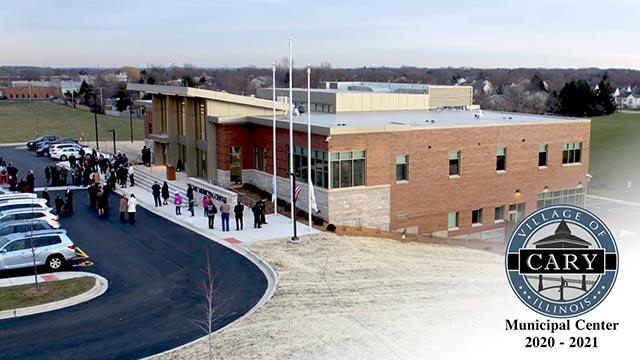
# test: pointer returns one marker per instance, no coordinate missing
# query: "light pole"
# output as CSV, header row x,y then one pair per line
x,y
131,116
95,119
114,140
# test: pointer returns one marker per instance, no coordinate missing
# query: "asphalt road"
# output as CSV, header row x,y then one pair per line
x,y
155,273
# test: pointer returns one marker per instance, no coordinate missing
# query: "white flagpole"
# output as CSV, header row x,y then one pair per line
x,y
309,152
274,197
291,170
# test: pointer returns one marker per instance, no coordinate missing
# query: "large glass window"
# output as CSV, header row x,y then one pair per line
x,y
319,165
572,153
200,120
348,168
201,158
501,159
542,156
402,167
181,116
454,163
453,220
571,196
164,117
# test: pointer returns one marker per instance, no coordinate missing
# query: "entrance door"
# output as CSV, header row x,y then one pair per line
x,y
235,165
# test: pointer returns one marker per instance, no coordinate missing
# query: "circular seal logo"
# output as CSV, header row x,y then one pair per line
x,y
561,261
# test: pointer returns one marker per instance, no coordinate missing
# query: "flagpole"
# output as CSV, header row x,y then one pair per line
x,y
274,196
292,173
309,152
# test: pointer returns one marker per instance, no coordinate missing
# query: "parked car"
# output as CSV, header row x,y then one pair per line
x,y
23,226
17,195
44,148
52,248
23,204
64,152
30,214
33,144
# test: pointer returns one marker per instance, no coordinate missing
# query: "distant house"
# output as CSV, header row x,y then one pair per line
x,y
627,98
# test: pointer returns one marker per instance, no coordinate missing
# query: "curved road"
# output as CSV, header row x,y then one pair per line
x,y
155,273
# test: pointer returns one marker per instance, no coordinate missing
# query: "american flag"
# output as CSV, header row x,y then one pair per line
x,y
296,192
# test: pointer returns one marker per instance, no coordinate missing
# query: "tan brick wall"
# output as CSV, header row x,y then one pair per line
x,y
429,195
35,93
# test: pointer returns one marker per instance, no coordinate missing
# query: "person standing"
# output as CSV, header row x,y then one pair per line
x,y
155,190
205,204
123,207
256,215
31,181
165,193
225,210
131,208
45,195
238,211
211,214
59,204
47,174
130,172
177,201
190,193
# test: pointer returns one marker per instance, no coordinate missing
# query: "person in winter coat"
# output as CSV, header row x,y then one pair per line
x,y
211,213
123,207
177,201
165,193
205,204
131,208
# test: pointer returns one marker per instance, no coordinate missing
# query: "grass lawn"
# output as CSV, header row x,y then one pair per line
x,y
13,298
615,156
22,121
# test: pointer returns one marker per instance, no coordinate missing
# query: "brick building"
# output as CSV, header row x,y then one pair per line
x,y
420,161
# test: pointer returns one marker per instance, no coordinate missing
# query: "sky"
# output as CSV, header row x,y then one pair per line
x,y
237,33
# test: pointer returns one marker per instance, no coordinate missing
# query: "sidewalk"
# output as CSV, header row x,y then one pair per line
x,y
278,226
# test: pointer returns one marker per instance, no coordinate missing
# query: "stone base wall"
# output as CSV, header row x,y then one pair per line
x,y
367,207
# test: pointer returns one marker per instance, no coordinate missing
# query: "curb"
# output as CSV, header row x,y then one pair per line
x,y
269,272
623,202
98,289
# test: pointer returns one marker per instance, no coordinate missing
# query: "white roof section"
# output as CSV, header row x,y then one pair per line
x,y
413,120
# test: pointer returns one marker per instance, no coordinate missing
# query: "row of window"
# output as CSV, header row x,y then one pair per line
x,y
572,196
571,154
35,96
347,168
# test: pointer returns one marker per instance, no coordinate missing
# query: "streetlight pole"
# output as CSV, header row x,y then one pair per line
x,y
114,140
95,117
131,116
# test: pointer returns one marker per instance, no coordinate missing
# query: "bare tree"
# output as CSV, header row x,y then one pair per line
x,y
211,307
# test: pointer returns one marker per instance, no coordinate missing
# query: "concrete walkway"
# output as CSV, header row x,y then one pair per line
x,y
278,226
98,289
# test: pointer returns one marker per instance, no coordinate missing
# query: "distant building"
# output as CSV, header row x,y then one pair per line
x,y
396,157
39,90
627,98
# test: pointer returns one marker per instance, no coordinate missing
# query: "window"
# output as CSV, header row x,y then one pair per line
x,y
260,158
319,165
454,163
164,117
17,245
347,168
571,196
476,217
402,167
453,220
200,120
181,117
572,153
499,214
516,212
542,156
47,240
501,159
201,163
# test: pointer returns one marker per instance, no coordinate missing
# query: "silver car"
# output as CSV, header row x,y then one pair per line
x,y
30,214
23,204
23,226
52,248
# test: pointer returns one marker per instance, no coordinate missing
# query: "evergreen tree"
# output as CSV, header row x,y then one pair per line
x,y
604,98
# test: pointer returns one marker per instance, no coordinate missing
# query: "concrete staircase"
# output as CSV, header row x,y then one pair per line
x,y
146,180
